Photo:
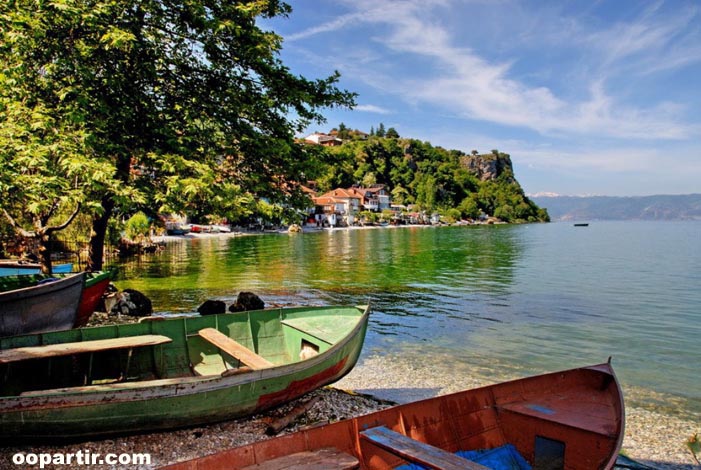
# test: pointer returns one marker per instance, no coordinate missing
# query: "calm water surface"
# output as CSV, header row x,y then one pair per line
x,y
504,300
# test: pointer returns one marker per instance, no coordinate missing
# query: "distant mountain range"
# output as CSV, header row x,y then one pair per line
x,y
662,207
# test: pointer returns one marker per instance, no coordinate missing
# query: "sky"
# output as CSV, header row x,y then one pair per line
x,y
588,97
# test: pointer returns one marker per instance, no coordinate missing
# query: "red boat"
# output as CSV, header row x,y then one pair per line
x,y
571,420
95,285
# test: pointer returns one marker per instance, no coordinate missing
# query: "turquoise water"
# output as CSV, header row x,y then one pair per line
x,y
509,300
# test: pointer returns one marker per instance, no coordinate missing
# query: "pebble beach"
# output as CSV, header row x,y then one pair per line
x,y
651,438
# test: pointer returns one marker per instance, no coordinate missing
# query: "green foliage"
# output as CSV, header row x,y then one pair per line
x,y
140,104
369,217
137,227
452,215
430,177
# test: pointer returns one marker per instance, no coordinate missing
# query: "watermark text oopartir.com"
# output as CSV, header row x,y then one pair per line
x,y
78,458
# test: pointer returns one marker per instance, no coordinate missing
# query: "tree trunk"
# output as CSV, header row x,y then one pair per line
x,y
45,253
99,224
99,233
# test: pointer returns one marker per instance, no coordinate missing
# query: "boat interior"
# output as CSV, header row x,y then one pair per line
x,y
167,351
572,420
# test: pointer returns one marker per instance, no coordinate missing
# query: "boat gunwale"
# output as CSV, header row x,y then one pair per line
x,y
400,412
607,368
208,383
43,289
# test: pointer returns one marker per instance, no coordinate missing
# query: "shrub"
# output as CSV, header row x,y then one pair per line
x,y
137,227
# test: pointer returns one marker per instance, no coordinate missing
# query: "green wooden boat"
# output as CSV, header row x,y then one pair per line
x,y
93,382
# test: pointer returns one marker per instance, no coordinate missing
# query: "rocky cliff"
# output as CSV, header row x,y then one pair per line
x,y
489,166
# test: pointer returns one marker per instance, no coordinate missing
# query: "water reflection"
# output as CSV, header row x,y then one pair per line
x,y
503,298
419,266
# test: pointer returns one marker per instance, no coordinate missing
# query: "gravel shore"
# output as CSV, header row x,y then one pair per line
x,y
378,381
651,438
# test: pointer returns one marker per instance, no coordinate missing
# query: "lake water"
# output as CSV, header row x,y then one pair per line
x,y
502,300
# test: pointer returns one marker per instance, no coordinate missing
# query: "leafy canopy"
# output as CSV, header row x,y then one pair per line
x,y
154,104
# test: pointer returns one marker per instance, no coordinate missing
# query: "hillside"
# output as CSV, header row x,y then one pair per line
x,y
430,178
661,207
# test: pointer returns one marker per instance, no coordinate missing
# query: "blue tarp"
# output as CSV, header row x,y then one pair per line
x,y
505,457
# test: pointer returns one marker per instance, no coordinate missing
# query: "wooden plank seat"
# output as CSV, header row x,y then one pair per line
x,y
416,451
113,387
235,349
328,458
579,412
66,349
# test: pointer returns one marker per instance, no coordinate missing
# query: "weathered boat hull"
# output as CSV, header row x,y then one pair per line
x,y
129,407
18,269
571,419
95,285
41,308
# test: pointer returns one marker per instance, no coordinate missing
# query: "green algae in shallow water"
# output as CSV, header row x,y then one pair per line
x,y
533,297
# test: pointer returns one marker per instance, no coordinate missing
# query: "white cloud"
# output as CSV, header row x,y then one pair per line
x,y
472,86
339,22
371,108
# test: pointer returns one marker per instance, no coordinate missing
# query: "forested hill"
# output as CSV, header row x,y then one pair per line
x,y
451,182
661,207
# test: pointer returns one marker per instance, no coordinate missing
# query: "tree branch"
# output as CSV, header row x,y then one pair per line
x,y
16,226
57,228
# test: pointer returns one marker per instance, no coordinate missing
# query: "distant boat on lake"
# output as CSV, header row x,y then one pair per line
x,y
584,224
51,305
178,228
171,373
572,419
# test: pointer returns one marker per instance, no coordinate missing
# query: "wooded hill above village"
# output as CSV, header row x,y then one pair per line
x,y
430,179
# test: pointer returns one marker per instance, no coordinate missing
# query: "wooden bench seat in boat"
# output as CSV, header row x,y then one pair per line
x,y
235,349
416,451
328,458
597,419
66,349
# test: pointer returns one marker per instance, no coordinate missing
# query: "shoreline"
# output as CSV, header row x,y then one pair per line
x,y
308,229
651,438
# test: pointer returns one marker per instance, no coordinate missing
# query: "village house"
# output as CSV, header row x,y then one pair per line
x,y
325,140
375,198
339,206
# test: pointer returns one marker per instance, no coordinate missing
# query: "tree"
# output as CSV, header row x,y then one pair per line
x,y
343,132
380,132
426,192
137,227
45,164
187,102
400,195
